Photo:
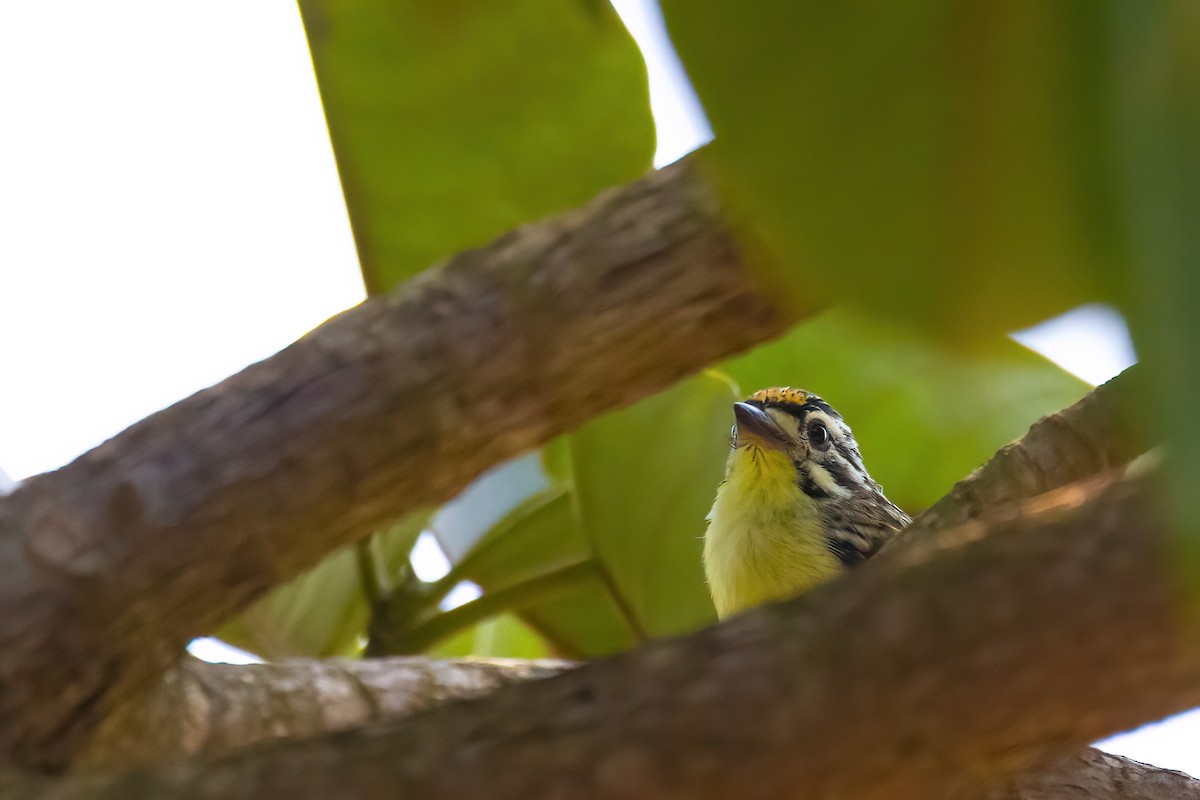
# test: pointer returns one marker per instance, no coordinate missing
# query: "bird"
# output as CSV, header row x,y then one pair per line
x,y
796,508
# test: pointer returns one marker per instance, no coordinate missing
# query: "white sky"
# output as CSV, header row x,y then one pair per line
x,y
170,212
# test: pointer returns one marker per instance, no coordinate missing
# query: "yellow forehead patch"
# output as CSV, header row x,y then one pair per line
x,y
781,395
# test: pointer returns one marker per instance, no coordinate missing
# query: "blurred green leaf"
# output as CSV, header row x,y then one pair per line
x,y
1158,80
941,161
324,611
556,460
924,417
454,122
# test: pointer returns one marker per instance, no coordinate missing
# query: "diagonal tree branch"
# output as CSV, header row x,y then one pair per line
x,y
217,709
959,680
112,563
1089,437
1094,775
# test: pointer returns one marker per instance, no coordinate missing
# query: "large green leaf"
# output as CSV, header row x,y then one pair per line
x,y
324,611
454,122
645,478
924,417
944,161
1158,77
521,558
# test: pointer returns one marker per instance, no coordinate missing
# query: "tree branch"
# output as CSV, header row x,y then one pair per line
x,y
1095,775
1086,439
215,709
959,680
114,562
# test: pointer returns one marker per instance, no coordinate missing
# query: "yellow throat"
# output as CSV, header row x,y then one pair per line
x,y
764,539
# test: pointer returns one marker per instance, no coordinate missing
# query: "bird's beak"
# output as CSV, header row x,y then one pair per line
x,y
756,426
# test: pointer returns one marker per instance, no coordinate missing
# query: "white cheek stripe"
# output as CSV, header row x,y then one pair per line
x,y
825,481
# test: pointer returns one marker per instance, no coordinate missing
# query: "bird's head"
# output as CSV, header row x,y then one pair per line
x,y
791,430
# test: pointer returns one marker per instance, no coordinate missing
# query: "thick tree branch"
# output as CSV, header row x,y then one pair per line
x,y
112,563
1088,438
999,648
1093,775
215,709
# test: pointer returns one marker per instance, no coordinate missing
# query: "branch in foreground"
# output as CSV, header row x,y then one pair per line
x,y
216,709
114,562
1095,775
999,649
1085,439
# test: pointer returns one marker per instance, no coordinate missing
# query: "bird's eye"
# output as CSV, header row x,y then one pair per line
x,y
818,435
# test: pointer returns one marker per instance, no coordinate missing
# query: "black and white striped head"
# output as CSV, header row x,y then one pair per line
x,y
856,516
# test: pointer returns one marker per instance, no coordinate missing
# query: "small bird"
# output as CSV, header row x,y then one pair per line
x,y
797,506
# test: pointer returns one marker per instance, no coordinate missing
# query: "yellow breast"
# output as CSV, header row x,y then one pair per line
x,y
764,539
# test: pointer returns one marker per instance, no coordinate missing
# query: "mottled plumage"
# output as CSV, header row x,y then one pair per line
x,y
797,505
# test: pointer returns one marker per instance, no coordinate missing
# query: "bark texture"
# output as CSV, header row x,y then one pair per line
x,y
114,562
216,709
1000,647
1090,437
1093,775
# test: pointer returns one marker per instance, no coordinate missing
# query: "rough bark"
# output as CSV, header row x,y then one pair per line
x,y
216,709
114,562
1000,647
1089,437
1093,775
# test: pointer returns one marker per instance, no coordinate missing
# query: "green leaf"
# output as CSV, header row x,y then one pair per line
x,y
924,417
539,535
324,611
556,461
1158,79
454,122
645,479
539,538
628,527
502,636
940,161
462,522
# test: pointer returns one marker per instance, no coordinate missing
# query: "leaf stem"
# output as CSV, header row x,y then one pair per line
x,y
511,598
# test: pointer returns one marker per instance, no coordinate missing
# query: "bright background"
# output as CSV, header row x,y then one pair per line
x,y
170,212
